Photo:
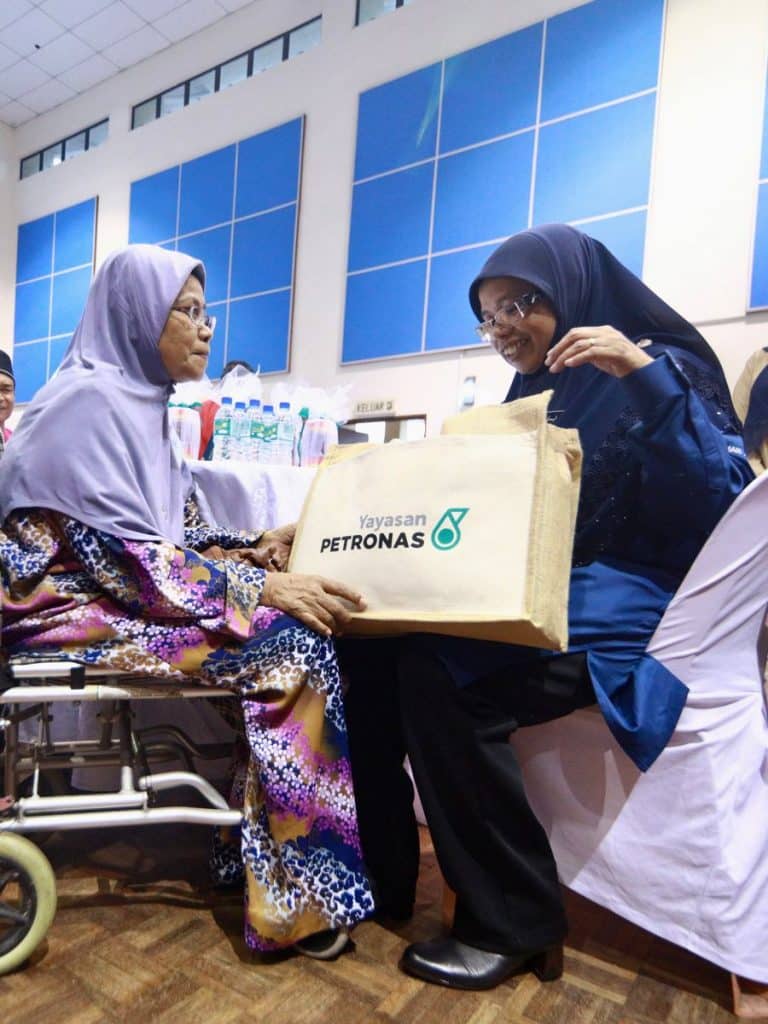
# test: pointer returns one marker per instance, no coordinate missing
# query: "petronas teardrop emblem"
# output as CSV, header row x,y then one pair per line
x,y
446,534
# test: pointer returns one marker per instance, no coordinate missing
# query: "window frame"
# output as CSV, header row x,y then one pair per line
x,y
62,144
284,37
398,5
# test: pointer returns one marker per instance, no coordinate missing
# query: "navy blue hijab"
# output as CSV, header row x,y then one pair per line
x,y
588,287
756,422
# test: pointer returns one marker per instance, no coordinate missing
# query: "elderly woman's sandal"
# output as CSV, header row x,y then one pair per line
x,y
325,945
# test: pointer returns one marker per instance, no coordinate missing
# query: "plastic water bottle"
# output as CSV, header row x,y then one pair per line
x,y
268,436
240,432
222,430
283,455
254,430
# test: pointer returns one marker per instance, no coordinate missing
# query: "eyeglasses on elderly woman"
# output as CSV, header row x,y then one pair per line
x,y
197,315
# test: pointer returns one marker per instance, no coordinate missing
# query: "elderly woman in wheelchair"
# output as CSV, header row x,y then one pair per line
x,y
107,564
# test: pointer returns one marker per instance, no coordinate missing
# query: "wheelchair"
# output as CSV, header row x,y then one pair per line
x,y
34,799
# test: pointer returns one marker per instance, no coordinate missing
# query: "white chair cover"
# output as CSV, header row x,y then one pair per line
x,y
683,849
249,496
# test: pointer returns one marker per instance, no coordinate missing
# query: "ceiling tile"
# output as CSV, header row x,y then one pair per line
x,y
71,12
30,31
61,54
189,18
89,73
7,57
42,64
235,5
20,78
10,10
113,23
48,95
153,9
136,47
14,114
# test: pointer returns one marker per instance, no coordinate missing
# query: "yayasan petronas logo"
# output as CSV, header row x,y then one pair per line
x,y
447,534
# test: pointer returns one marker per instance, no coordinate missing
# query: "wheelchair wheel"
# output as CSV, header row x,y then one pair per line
x,y
27,899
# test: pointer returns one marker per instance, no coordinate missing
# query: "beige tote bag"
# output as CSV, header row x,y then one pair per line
x,y
468,534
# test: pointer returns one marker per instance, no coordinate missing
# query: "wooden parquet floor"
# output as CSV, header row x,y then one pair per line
x,y
139,938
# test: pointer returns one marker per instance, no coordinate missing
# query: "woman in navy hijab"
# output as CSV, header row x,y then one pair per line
x,y
663,460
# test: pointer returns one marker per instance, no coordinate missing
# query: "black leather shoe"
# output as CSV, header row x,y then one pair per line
x,y
457,965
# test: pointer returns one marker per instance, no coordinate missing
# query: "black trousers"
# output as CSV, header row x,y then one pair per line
x,y
491,848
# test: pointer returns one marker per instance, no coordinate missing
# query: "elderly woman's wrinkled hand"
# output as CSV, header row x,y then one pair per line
x,y
605,348
262,556
313,600
271,553
279,542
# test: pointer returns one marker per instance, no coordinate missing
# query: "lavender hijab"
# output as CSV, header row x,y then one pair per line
x,y
95,442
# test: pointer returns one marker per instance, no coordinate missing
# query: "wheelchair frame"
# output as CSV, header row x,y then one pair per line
x,y
34,688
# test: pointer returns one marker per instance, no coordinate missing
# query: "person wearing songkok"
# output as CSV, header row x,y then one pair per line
x,y
7,397
109,564
663,460
750,397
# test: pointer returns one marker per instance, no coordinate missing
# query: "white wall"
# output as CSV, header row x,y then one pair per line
x,y
703,186
9,170
706,163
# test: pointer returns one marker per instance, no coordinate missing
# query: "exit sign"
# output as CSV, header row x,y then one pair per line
x,y
374,407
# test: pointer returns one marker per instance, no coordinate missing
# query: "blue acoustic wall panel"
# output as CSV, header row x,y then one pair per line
x,y
262,254
70,290
397,122
453,158
267,171
54,265
597,162
206,189
34,254
30,364
624,235
758,298
378,236
491,90
451,274
469,183
758,292
236,209
58,348
74,237
605,49
385,312
258,327
212,247
154,202
32,310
